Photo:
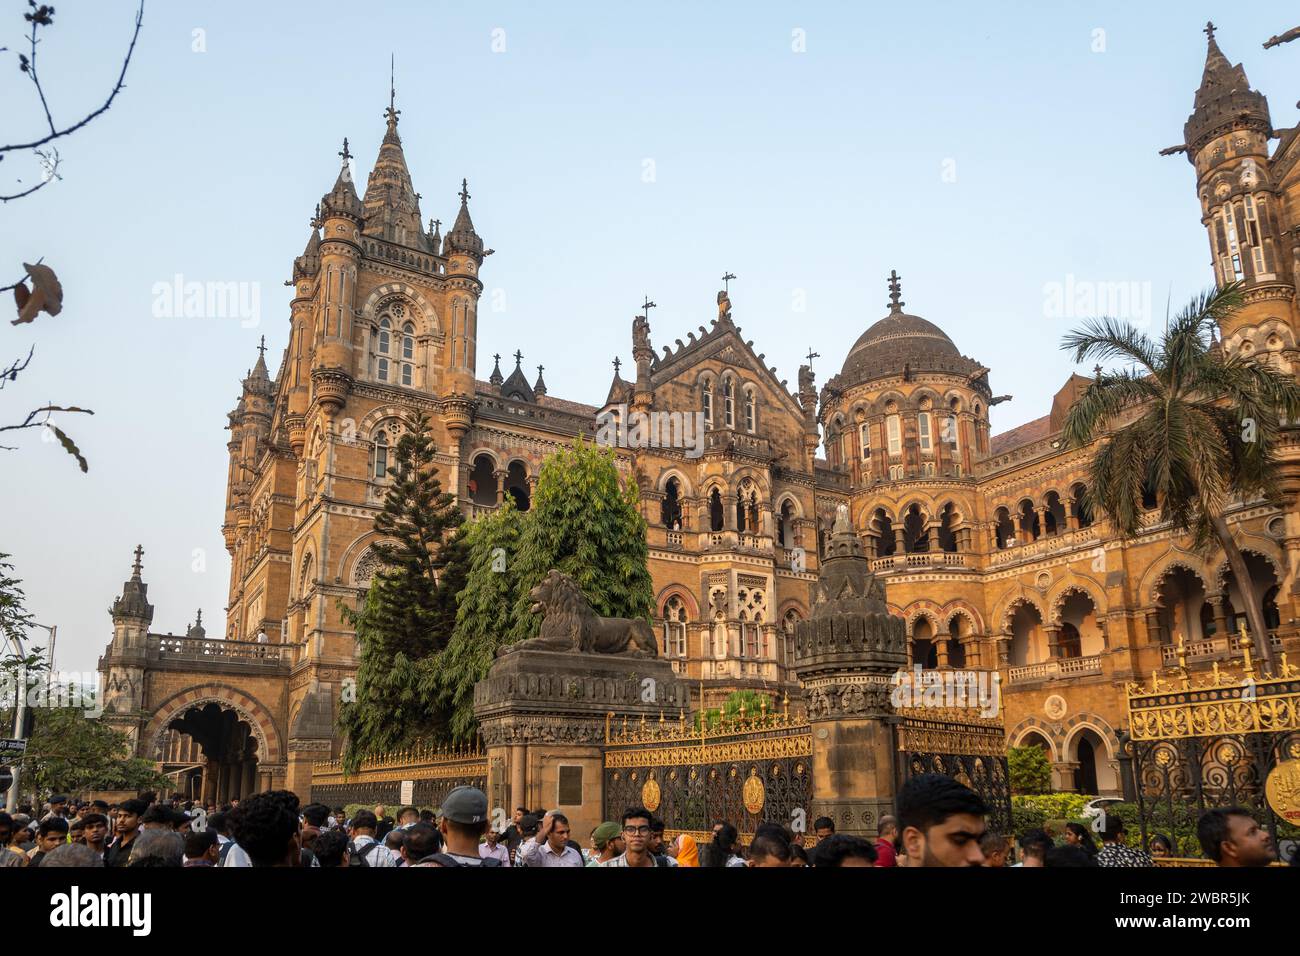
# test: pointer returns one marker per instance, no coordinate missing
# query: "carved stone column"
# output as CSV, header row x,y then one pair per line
x,y
845,654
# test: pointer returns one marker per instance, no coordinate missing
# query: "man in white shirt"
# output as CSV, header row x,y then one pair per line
x,y
363,841
550,846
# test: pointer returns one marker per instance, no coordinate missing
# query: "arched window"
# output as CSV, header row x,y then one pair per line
x,y
728,404
923,432
788,624
407,373
749,410
785,525
671,510
864,440
384,336
381,454
895,435
708,403
675,627
715,510
382,371
408,342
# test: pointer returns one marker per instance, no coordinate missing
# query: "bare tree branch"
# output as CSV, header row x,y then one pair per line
x,y
55,133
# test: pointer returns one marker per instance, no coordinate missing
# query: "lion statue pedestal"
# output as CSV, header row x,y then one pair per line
x,y
543,706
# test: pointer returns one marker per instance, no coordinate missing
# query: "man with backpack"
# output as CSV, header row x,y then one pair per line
x,y
363,848
462,821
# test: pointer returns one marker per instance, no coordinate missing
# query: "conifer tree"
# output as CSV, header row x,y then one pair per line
x,y
406,614
483,615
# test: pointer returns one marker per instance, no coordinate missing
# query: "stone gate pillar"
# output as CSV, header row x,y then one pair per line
x,y
846,654
542,716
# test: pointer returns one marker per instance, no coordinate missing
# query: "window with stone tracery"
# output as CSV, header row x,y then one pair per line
x,y
675,627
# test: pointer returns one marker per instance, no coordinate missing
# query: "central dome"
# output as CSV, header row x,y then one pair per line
x,y
901,341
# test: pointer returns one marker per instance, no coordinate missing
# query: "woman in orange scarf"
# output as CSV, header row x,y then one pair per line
x,y
685,850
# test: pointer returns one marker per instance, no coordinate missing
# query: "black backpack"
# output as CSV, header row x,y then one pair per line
x,y
359,859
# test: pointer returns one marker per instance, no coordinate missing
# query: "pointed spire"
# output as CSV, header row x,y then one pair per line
x,y
496,377
392,206
516,386
133,604
462,237
435,236
895,292
392,112
342,198
620,390
197,631
539,389
1224,97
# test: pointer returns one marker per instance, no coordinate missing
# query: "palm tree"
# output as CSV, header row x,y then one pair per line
x,y
1186,421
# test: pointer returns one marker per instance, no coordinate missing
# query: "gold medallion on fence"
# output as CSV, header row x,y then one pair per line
x,y
754,794
1283,790
650,795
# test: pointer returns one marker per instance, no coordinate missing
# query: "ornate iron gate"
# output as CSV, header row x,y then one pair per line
x,y
746,770
971,749
1210,743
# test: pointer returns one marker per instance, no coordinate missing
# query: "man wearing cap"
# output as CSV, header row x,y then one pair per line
x,y
58,807
608,838
462,820
551,845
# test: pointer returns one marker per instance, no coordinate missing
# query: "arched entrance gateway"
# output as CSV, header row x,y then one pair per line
x,y
222,752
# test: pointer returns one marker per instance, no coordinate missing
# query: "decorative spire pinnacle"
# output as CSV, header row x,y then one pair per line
x,y
519,358
198,620
617,363
540,387
895,291
261,347
496,378
464,191
392,112
137,567
345,152
812,355
726,280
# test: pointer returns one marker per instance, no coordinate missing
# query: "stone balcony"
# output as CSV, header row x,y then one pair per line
x,y
923,561
1056,669
219,654
1216,648
1045,546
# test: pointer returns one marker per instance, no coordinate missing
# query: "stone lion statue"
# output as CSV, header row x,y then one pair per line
x,y
569,624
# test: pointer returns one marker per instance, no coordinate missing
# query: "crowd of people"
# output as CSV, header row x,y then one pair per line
x,y
938,822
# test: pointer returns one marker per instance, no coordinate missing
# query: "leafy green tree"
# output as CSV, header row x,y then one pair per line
x,y
1201,431
70,752
484,615
406,616
15,619
584,522
1029,770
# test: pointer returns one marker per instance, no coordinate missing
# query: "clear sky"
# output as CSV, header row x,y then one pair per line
x,y
991,153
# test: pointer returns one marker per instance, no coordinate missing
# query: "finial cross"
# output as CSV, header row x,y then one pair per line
x,y
726,279
262,346
519,357
1209,29
812,355
617,363
345,152
464,191
646,306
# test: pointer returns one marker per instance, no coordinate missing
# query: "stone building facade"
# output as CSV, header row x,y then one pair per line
x,y
980,539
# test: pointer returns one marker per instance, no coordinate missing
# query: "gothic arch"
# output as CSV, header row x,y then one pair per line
x,y
354,555
1013,598
528,469
304,582
685,489
678,591
868,514
921,609
270,748
477,453
1075,584
759,480
377,416
957,608
1078,723
1032,725
429,322
796,506
1249,543
1175,558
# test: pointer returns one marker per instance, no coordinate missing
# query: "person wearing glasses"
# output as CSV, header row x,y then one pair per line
x,y
637,823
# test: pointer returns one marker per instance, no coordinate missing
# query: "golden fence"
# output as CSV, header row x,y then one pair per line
x,y
1229,700
414,764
